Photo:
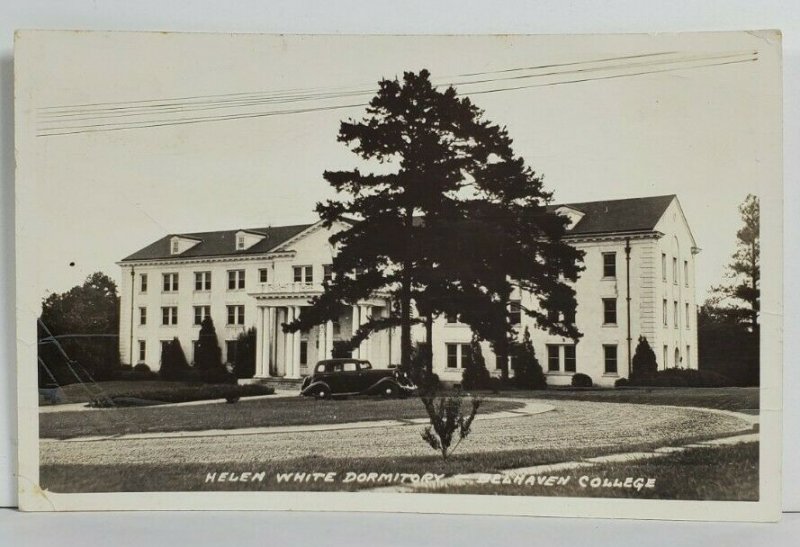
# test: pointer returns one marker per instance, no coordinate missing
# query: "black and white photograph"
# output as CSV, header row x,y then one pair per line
x,y
459,274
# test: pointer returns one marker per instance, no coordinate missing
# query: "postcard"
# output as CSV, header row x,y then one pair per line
x,y
518,275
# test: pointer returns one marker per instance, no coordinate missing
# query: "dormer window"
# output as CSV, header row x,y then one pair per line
x,y
240,243
176,246
573,215
180,244
244,239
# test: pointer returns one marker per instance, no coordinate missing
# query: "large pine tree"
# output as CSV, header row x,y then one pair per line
x,y
449,220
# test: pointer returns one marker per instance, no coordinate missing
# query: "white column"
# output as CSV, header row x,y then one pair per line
x,y
296,346
356,323
269,339
328,340
259,372
364,315
266,334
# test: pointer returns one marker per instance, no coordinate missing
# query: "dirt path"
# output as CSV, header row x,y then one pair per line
x,y
572,424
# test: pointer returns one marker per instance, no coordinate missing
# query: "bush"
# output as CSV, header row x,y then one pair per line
x,y
475,374
683,377
208,355
581,380
622,382
244,363
644,360
447,417
528,373
183,394
141,367
174,365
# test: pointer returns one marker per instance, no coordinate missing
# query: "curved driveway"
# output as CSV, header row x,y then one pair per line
x,y
572,424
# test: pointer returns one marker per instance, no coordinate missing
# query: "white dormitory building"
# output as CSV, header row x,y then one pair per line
x,y
638,280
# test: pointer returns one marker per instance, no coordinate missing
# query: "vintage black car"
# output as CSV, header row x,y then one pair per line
x,y
355,377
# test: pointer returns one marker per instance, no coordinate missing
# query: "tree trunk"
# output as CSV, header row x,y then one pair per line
x,y
405,298
429,339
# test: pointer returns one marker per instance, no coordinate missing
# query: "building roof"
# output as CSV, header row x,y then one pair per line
x,y
220,243
619,215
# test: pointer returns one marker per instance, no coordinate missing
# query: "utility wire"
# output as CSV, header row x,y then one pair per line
x,y
116,126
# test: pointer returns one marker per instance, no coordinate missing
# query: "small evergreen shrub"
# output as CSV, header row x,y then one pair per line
x,y
581,380
475,374
644,360
528,373
174,365
448,418
141,367
622,382
208,355
244,365
684,377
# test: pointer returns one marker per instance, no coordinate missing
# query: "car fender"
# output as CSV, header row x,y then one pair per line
x,y
377,385
310,388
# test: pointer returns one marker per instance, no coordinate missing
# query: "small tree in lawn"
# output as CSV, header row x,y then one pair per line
x,y
644,360
174,365
528,373
208,356
475,374
448,419
244,364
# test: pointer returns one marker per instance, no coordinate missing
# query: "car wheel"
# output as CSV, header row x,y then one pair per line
x,y
389,391
322,393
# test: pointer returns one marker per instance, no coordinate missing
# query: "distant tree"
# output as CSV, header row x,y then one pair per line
x,y
528,373
644,360
728,327
82,324
740,295
174,365
208,355
244,364
475,374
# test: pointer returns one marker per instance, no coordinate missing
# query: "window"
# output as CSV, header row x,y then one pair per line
x,y
664,267
231,348
236,315
327,272
514,312
687,314
142,351
262,275
143,282
609,311
239,243
202,281
609,264
142,316
570,361
675,313
451,317
674,270
175,246
170,282
466,355
688,353
452,355
200,313
303,352
666,353
235,279
686,273
303,274
169,315
664,311
552,358
610,357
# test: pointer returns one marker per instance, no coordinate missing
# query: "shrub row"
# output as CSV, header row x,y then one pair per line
x,y
184,394
678,377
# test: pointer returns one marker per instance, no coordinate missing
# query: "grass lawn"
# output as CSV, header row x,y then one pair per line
x,y
156,391
727,473
739,399
254,413
714,473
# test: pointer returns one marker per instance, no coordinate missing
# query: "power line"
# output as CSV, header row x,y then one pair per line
x,y
79,115
54,131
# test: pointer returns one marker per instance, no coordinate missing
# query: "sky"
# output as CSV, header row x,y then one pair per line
x,y
709,134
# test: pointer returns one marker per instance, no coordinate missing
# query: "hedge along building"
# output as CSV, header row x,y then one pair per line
x,y
638,280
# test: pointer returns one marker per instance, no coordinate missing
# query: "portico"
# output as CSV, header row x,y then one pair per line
x,y
291,355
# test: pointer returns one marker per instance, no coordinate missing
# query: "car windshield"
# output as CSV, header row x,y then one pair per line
x,y
365,365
